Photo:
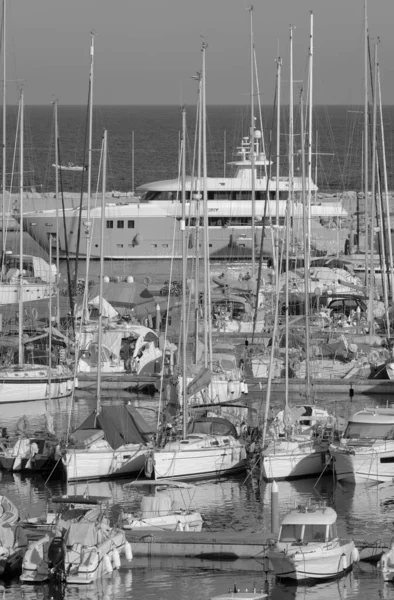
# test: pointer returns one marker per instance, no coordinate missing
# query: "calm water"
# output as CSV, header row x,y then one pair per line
x,y
237,504
156,141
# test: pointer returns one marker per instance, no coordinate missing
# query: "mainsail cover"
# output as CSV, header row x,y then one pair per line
x,y
120,424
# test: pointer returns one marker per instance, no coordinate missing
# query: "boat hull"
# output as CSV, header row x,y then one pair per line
x,y
175,522
199,462
307,564
366,465
15,388
99,464
286,460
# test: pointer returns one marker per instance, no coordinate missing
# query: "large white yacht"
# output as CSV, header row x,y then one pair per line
x,y
146,226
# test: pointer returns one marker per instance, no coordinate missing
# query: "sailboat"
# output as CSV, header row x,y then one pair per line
x,y
299,443
209,446
112,441
28,382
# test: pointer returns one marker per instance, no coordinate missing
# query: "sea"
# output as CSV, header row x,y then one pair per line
x,y
144,146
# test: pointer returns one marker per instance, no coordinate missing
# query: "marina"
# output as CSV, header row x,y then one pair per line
x,y
196,303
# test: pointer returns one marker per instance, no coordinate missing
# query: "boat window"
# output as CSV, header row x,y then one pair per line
x,y
120,224
290,533
110,224
315,533
369,431
130,224
332,531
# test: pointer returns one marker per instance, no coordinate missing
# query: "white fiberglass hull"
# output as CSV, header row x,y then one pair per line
x,y
98,464
313,563
10,292
367,465
199,462
21,386
303,461
174,522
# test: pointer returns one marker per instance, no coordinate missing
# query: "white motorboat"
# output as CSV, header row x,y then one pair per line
x,y
80,544
308,546
211,448
160,512
365,453
110,443
298,443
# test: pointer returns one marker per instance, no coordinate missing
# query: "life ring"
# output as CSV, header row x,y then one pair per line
x,y
149,466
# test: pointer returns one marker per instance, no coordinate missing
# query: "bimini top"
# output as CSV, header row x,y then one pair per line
x,y
310,515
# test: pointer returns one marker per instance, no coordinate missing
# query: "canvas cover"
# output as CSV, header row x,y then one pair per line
x,y
121,425
86,534
156,506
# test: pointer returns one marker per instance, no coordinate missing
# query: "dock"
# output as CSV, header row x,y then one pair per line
x,y
216,545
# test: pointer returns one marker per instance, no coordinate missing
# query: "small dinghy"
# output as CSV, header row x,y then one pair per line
x,y
308,546
237,594
79,548
160,512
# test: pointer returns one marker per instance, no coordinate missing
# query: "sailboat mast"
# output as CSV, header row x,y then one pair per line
x,y
184,271
21,183
4,181
386,190
305,222
89,191
207,292
198,206
252,153
366,137
373,198
101,285
278,82
291,138
57,213
310,138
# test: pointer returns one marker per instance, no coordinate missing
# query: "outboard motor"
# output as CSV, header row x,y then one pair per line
x,y
57,554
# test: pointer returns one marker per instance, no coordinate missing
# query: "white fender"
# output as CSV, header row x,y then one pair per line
x,y
179,526
355,555
343,562
107,564
128,551
187,528
246,389
115,559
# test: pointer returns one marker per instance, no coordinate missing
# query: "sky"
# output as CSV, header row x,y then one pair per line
x,y
146,51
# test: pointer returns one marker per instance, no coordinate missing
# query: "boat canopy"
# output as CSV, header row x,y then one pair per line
x,y
120,425
211,426
309,515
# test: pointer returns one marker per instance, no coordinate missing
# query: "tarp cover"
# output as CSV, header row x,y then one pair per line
x,y
86,534
121,425
156,506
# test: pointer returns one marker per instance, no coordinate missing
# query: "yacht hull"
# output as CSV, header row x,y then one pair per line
x,y
199,462
96,464
365,466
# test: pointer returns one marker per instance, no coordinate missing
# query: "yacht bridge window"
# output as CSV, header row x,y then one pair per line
x,y
382,431
291,533
110,224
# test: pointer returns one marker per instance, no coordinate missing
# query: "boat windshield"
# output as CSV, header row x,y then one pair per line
x,y
315,533
370,431
291,533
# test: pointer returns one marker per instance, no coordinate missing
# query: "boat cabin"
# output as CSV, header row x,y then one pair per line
x,y
308,524
370,425
211,426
